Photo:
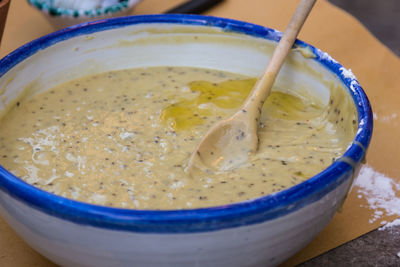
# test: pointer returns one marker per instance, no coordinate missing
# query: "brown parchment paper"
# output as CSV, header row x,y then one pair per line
x,y
327,28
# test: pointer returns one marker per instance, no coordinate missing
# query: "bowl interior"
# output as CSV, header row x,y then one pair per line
x,y
161,44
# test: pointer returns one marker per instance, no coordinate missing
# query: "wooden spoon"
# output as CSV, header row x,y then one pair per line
x,y
229,143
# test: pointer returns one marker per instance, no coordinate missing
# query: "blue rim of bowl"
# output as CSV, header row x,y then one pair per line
x,y
44,6
205,219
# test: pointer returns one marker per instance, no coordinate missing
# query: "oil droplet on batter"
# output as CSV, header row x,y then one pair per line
x,y
215,99
188,113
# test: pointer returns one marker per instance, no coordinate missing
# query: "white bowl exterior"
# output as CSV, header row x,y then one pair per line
x,y
70,244
264,244
63,21
60,22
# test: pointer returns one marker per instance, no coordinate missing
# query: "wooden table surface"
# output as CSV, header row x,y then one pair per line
x,y
377,248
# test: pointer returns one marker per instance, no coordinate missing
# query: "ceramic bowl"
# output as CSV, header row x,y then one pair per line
x,y
260,232
79,12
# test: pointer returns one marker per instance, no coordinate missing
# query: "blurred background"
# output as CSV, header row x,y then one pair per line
x,y
382,18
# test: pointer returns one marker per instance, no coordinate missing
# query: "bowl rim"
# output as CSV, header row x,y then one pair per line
x,y
250,212
44,6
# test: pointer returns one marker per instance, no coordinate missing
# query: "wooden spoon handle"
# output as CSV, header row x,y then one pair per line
x,y
263,86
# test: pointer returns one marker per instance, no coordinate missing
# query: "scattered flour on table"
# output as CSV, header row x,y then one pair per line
x,y
388,118
385,118
381,192
391,224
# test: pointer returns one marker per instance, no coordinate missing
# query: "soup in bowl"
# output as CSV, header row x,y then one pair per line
x,y
99,120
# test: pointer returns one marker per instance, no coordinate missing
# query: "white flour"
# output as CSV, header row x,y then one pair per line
x,y
382,194
391,224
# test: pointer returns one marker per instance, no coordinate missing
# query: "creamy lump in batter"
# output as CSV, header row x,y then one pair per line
x,y
122,138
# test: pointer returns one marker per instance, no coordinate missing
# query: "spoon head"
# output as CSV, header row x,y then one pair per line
x,y
226,146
